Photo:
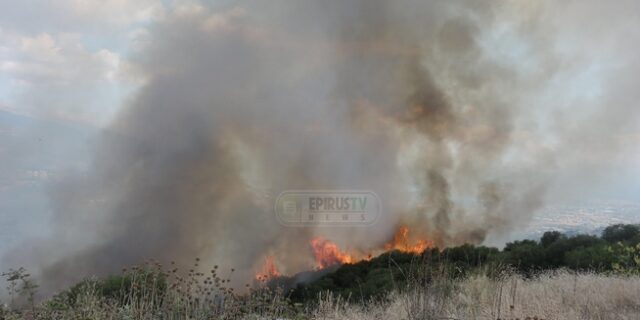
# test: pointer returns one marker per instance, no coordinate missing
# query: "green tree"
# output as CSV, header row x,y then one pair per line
x,y
598,258
525,255
549,237
626,258
625,233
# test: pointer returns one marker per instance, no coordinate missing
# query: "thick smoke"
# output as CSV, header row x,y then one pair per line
x,y
435,106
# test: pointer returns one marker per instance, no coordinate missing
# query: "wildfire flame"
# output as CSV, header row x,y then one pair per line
x,y
268,270
402,242
328,253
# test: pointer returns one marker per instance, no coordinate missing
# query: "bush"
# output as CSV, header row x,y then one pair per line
x,y
550,237
625,233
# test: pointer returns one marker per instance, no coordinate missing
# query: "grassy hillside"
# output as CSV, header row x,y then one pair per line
x,y
616,250
558,277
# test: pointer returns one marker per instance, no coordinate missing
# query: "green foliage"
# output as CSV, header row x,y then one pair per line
x,y
361,280
528,257
525,255
626,258
625,233
597,257
151,292
550,237
467,255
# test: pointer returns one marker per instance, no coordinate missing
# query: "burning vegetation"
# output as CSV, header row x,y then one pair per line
x,y
268,271
403,242
327,253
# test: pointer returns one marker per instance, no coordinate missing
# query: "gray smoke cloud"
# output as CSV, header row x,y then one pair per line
x,y
442,108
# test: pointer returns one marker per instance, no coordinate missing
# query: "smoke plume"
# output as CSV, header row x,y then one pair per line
x,y
442,108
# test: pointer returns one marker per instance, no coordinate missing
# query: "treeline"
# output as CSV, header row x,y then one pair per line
x,y
617,249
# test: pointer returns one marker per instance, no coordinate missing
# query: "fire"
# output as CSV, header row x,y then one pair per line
x,y
402,242
268,271
327,253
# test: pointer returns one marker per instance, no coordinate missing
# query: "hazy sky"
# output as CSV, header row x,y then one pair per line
x,y
68,59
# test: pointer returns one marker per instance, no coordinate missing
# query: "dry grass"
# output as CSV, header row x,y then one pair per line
x,y
554,295
200,295
153,292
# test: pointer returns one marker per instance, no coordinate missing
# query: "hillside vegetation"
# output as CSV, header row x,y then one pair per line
x,y
558,277
616,250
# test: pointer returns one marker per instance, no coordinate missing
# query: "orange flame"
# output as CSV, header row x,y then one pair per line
x,y
402,242
268,270
327,253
